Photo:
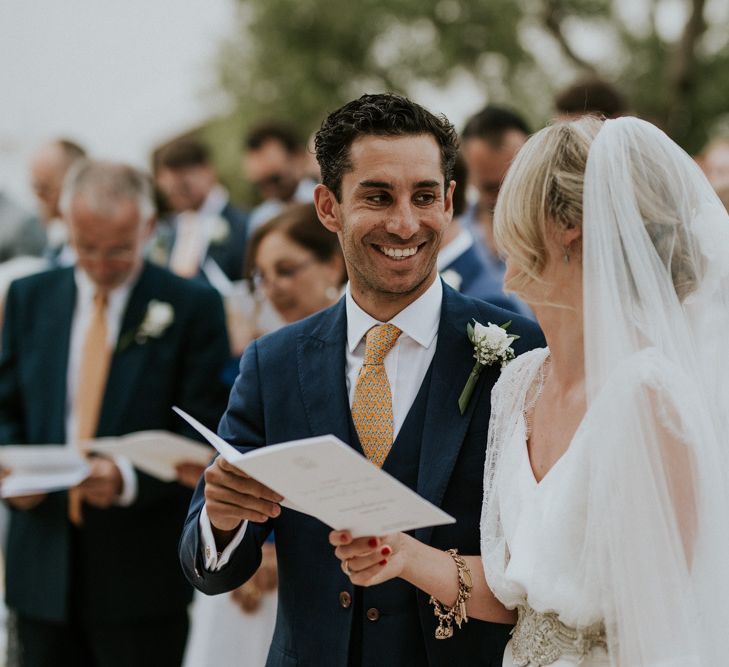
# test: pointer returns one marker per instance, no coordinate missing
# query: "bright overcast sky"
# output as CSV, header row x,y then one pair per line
x,y
118,77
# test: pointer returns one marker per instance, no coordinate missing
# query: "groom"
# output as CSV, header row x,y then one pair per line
x,y
387,192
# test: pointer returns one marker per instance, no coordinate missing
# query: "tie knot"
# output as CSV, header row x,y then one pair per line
x,y
378,342
101,298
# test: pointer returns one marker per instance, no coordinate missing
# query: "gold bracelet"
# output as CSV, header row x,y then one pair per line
x,y
446,615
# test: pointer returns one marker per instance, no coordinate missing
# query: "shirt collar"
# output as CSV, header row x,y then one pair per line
x,y
451,252
419,320
117,296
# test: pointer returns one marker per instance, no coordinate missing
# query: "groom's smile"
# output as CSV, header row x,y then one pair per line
x,y
393,211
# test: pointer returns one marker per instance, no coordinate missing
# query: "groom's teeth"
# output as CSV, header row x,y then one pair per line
x,y
398,253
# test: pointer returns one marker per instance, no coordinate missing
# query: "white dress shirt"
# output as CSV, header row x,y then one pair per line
x,y
83,312
406,365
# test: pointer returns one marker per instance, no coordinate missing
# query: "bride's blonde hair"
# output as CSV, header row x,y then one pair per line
x,y
542,188
543,193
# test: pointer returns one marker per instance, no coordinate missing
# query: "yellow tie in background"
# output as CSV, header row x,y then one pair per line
x,y
372,403
93,371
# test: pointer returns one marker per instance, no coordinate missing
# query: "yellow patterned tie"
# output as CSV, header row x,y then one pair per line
x,y
372,403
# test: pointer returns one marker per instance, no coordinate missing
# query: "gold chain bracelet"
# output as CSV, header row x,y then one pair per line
x,y
446,615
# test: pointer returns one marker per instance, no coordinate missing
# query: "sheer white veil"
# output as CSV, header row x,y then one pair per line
x,y
655,255
656,286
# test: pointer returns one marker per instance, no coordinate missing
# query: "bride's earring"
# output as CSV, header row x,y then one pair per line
x,y
331,293
566,254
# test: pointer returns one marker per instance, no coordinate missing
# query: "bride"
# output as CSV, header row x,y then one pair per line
x,y
605,524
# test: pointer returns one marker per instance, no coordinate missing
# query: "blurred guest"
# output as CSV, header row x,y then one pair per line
x,y
489,141
48,168
458,262
715,162
103,349
205,236
276,162
298,263
590,96
21,234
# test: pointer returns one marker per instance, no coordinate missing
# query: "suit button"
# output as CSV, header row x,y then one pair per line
x,y
345,599
373,614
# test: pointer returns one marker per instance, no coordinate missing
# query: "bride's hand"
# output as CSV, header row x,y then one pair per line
x,y
371,560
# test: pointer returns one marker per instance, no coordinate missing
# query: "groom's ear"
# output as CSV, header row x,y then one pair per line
x,y
327,208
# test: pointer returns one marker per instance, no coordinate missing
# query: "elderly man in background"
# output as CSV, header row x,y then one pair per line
x,y
103,349
48,168
206,235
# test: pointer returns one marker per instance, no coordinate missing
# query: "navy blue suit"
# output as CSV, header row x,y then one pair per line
x,y
477,282
228,253
292,385
120,567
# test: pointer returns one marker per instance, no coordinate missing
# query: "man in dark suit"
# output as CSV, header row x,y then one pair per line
x,y
387,191
460,263
205,236
103,349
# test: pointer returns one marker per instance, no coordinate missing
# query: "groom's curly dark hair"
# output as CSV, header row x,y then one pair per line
x,y
382,114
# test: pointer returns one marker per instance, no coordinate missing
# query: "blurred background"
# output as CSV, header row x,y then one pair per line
x,y
123,78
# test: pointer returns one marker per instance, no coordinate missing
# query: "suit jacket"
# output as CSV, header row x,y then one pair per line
x,y
477,282
20,233
97,569
292,385
228,253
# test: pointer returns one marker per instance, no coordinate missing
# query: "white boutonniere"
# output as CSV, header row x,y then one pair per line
x,y
219,230
452,279
156,320
491,344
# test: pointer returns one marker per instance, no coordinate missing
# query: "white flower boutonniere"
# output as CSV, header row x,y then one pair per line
x,y
490,344
156,320
219,230
452,278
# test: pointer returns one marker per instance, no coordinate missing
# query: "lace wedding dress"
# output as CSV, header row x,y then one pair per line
x,y
618,556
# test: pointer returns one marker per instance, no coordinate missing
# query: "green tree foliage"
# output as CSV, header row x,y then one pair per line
x,y
298,59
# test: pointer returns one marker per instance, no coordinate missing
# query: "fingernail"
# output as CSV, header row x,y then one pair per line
x,y
342,538
386,551
276,510
383,562
372,542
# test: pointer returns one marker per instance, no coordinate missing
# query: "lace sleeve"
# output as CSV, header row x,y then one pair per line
x,y
507,402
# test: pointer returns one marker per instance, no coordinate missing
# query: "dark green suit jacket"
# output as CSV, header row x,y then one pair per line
x,y
122,564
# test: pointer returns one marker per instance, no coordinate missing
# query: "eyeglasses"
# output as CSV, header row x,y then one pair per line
x,y
289,272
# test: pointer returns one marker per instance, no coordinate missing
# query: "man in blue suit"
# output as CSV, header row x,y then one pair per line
x,y
205,235
387,192
75,559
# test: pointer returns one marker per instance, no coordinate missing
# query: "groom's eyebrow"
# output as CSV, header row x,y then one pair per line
x,y
376,184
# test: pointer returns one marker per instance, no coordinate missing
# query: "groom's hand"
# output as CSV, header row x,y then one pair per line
x,y
232,497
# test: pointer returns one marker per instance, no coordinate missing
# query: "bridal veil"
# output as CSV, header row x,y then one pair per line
x,y
655,260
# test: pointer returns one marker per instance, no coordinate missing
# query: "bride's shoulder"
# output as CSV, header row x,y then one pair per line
x,y
523,367
648,369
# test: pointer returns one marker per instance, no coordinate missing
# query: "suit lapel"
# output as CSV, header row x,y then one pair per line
x,y
321,361
128,363
60,309
445,428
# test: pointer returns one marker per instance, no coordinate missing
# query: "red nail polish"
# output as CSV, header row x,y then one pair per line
x,y
342,538
386,551
372,542
383,562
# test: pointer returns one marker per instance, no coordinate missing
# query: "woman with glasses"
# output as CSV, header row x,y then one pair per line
x,y
296,263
